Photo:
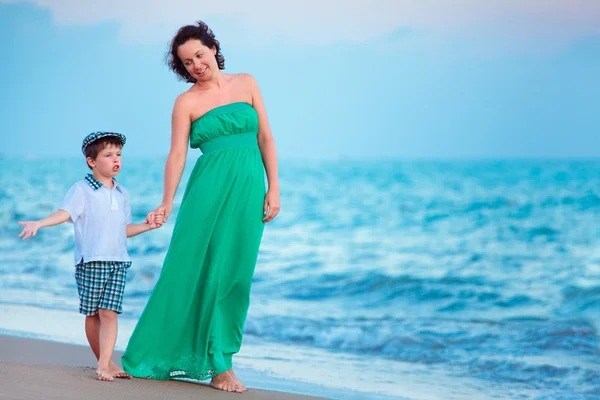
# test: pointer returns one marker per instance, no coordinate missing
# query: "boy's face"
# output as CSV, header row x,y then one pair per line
x,y
108,162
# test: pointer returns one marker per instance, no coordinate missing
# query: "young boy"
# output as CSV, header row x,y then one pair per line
x,y
99,209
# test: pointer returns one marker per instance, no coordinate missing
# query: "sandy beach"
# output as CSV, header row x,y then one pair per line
x,y
39,369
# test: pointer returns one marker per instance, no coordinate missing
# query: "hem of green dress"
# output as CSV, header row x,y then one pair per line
x,y
174,373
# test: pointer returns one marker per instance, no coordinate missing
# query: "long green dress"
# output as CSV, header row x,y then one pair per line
x,y
194,319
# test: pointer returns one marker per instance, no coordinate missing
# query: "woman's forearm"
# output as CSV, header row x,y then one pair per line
x,y
173,172
269,157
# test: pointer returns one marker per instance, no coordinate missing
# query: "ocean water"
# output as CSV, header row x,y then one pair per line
x,y
407,280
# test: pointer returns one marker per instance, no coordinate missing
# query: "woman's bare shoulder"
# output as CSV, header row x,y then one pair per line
x,y
246,85
185,99
245,78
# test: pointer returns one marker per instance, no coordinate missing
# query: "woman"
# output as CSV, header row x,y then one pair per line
x,y
194,319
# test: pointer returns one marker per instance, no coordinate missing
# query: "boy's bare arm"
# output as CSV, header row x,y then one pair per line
x,y
30,228
136,229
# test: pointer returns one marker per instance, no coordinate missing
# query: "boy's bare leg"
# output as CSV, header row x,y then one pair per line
x,y
108,337
92,331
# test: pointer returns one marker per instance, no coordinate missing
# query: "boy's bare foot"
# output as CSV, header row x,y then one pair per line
x,y
104,375
117,372
239,382
225,382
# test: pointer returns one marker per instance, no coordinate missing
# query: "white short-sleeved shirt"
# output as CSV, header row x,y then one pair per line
x,y
100,216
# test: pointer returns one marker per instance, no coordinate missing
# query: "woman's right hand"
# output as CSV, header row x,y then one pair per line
x,y
164,209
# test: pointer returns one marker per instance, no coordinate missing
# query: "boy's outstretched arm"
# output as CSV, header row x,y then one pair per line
x,y
31,227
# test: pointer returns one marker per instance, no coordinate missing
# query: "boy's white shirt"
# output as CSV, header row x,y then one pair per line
x,y
100,218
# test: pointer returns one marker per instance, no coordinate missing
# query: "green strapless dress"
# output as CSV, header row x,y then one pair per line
x,y
194,319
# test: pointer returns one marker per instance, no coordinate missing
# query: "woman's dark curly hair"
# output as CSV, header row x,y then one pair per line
x,y
201,32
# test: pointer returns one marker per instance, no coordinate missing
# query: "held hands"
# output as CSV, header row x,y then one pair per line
x,y
154,220
30,228
159,215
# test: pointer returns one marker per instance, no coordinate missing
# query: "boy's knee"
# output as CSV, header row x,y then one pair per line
x,y
107,314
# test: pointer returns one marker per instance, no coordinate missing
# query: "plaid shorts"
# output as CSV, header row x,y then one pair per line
x,y
101,284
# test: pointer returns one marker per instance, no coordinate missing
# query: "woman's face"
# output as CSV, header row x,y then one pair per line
x,y
198,60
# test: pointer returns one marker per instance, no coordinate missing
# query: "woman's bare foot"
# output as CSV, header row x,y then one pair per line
x,y
104,374
225,382
239,382
117,372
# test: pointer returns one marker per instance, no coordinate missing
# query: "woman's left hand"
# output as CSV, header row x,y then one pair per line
x,y
272,206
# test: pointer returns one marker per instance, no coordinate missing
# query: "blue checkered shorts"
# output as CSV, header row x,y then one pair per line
x,y
101,284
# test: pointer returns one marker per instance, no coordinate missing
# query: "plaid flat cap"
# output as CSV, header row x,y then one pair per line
x,y
92,137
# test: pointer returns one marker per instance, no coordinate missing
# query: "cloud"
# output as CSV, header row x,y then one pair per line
x,y
326,21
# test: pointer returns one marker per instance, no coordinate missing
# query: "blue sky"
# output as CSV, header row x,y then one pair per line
x,y
397,82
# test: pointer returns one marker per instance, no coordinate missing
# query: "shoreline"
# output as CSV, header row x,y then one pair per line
x,y
260,365
35,368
